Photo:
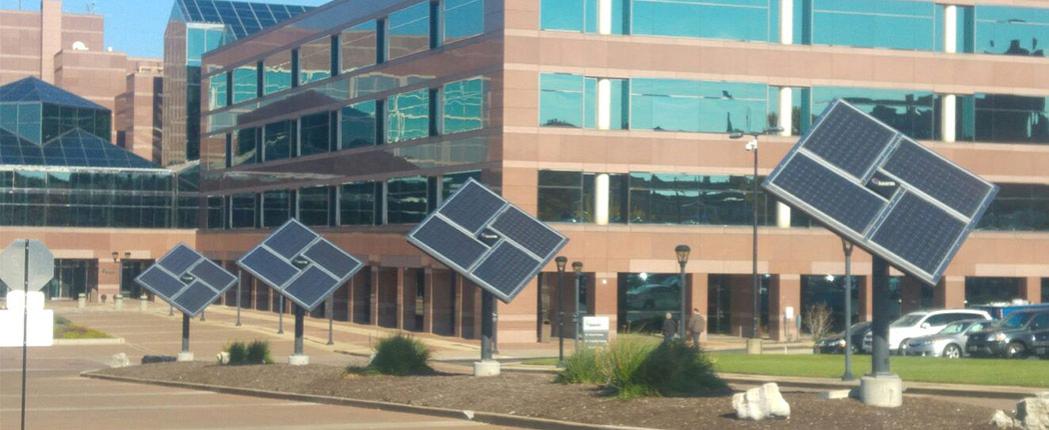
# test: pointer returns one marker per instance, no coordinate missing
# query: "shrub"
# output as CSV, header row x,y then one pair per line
x,y
818,320
259,352
677,369
400,355
582,368
623,360
238,353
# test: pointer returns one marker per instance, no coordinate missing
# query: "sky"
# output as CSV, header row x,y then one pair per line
x,y
133,26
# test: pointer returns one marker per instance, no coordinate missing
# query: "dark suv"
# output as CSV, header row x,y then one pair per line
x,y
1013,337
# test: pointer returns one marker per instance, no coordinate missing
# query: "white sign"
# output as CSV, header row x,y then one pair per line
x,y
41,321
595,329
13,265
788,313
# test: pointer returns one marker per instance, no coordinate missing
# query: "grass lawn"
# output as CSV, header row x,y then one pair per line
x,y
64,329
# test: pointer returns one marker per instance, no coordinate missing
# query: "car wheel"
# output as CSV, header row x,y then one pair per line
x,y
952,351
1015,350
902,347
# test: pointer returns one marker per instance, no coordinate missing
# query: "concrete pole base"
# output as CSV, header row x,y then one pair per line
x,y
753,346
185,356
486,368
298,360
883,391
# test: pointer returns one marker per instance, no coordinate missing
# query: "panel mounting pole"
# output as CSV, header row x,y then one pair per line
x,y
280,314
185,332
240,275
880,322
25,319
487,326
847,248
299,314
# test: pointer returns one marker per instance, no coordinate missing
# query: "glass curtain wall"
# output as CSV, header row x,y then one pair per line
x,y
360,203
408,31
358,47
315,60
359,125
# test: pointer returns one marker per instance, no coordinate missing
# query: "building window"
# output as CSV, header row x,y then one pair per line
x,y
987,290
1004,118
245,146
276,76
406,199
462,19
358,46
451,182
315,133
893,24
215,211
242,211
314,206
408,116
568,15
358,125
276,208
911,112
717,19
697,106
56,120
408,31
562,100
1006,30
463,106
217,91
646,298
661,198
245,83
278,140
566,197
828,291
315,60
1018,207
359,203
27,121
201,40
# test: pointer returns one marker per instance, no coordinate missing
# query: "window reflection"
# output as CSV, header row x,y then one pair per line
x,y
278,140
217,91
358,203
696,106
245,83
316,133
245,143
1018,207
359,125
1007,118
462,19
408,116
1012,31
911,112
313,206
569,15
451,182
358,46
276,73
408,31
242,211
315,61
463,106
893,24
276,208
561,100
406,200
660,198
714,19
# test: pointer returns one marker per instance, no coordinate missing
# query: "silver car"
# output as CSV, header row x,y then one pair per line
x,y
949,342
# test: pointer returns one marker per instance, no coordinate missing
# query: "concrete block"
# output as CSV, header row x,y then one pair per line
x,y
118,360
486,368
185,356
835,394
753,346
298,360
885,391
1033,413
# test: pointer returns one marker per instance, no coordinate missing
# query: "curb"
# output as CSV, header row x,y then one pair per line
x,y
478,416
89,342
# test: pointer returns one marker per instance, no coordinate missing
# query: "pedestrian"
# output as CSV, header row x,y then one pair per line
x,y
696,326
669,328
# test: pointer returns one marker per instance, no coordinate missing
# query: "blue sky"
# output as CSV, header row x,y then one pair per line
x,y
132,26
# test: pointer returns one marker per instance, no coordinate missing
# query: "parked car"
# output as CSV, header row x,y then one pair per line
x,y
835,344
924,323
1001,311
1041,344
949,342
1012,338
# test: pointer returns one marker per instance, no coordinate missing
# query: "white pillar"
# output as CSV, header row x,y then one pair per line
x,y
786,110
782,215
786,22
947,117
604,16
950,28
601,199
604,104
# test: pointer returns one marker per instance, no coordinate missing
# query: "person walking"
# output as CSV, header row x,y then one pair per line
x,y
669,328
696,326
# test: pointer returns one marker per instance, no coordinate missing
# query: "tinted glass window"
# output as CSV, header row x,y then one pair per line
x,y
645,299
245,83
451,182
200,41
894,24
242,211
276,208
566,196
1008,118
245,143
462,19
987,290
316,133
1018,207
217,91
215,211
1040,322
358,46
715,19
463,106
276,73
561,100
408,31
277,141
315,60
662,198
406,200
910,112
408,116
358,125
697,106
357,204
313,206
1012,30
569,15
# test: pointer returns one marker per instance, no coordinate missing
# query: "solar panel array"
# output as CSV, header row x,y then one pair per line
x,y
487,240
300,264
186,279
882,191
242,18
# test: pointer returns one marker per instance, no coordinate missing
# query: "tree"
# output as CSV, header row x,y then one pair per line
x,y
818,319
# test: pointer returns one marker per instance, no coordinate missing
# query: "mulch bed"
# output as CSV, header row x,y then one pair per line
x,y
536,396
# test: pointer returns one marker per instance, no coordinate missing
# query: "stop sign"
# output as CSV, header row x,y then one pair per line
x,y
13,268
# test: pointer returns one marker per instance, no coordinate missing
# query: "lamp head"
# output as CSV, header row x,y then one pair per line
x,y
736,135
577,267
561,262
682,252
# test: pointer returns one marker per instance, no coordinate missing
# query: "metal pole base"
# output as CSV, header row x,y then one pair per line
x,y
185,356
883,391
486,368
298,360
753,346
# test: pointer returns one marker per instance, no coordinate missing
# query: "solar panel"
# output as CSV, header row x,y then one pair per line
x,y
300,264
236,15
486,239
882,191
186,279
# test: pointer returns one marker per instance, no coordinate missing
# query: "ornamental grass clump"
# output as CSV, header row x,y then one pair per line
x,y
399,355
256,352
582,368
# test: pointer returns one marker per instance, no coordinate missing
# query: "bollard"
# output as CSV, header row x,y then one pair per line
x,y
118,302
143,303
81,301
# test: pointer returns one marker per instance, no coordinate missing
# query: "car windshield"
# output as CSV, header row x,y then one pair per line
x,y
954,328
977,326
908,320
1016,321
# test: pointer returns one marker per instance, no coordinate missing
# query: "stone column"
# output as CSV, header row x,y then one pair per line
x,y
786,22
950,28
401,305
698,284
1032,290
949,294
784,291
428,300
373,314
601,199
604,16
51,41
108,279
458,326
866,300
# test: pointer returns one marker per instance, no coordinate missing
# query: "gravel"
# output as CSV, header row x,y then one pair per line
x,y
536,395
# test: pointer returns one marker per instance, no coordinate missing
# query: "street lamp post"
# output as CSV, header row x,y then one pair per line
x,y
682,252
847,247
752,146
561,262
577,267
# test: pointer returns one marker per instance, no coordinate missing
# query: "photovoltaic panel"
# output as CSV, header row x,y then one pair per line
x,y
882,191
488,240
241,18
300,264
186,279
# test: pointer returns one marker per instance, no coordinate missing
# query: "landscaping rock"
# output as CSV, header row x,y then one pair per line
x,y
1002,420
148,359
760,403
118,360
222,357
1033,413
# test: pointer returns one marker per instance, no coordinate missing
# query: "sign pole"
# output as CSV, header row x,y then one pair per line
x,y
240,274
847,247
331,320
25,326
280,314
